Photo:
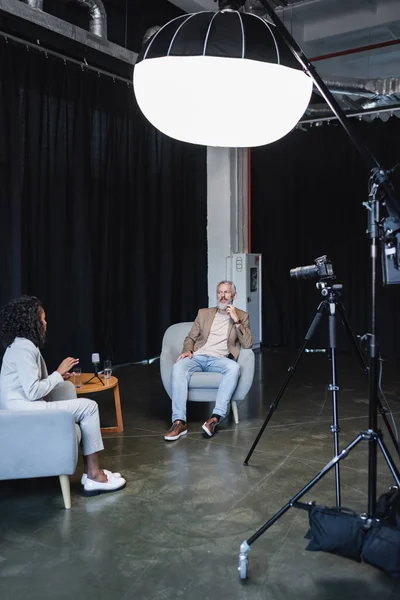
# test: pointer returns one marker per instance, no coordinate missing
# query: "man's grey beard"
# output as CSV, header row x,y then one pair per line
x,y
223,305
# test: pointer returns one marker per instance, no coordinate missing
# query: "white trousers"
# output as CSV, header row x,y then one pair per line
x,y
84,411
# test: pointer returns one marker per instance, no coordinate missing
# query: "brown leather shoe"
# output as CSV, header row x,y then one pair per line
x,y
177,429
210,425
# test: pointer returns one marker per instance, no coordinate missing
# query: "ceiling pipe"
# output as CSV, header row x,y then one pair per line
x,y
369,88
97,14
35,4
355,50
279,5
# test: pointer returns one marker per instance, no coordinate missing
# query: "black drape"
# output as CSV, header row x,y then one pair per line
x,y
102,217
307,195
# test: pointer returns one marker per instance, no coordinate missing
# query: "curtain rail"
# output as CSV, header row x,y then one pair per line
x,y
63,57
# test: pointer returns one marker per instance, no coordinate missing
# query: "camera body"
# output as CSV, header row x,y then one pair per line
x,y
322,268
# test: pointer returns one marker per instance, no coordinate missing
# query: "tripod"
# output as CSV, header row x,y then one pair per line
x,y
331,305
96,375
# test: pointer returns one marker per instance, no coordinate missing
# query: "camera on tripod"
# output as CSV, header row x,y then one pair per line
x,y
322,268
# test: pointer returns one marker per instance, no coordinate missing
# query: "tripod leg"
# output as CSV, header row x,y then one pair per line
x,y
392,467
245,546
334,388
364,368
291,370
95,376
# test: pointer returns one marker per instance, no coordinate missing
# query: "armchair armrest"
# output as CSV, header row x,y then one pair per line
x,y
246,362
37,444
167,359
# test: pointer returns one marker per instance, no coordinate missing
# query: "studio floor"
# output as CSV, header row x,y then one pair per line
x,y
175,531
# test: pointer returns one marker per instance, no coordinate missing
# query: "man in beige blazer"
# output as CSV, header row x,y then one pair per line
x,y
212,345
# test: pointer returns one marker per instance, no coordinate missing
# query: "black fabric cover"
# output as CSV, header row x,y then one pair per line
x,y
226,34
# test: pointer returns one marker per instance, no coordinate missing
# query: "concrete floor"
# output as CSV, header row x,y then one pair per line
x,y
175,531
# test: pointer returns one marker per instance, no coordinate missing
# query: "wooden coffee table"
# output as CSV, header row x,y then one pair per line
x,y
95,386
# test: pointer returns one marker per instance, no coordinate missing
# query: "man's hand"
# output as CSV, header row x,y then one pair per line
x,y
231,310
184,355
66,365
67,376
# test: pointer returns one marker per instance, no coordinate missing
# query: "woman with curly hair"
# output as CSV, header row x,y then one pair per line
x,y
26,385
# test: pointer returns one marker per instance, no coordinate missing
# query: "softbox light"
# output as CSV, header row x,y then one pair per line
x,y
221,79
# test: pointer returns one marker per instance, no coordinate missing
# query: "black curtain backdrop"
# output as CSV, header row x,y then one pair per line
x,y
102,217
307,195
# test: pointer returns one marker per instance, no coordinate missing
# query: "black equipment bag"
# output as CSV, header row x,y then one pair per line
x,y
388,507
336,530
381,549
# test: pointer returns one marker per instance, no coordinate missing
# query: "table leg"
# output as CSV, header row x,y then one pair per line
x,y
118,411
120,425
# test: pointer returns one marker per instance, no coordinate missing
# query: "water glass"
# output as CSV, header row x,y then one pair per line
x,y
107,371
77,377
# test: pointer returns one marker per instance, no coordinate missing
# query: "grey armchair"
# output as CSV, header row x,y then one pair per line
x,y
40,443
203,387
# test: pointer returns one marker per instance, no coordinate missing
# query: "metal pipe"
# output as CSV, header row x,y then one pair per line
x,y
355,50
34,3
98,16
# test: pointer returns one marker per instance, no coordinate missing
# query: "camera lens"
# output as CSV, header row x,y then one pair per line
x,y
304,272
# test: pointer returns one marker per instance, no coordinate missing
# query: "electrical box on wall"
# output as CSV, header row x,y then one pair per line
x,y
245,272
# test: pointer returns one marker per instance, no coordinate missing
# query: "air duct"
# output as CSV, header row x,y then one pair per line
x,y
35,3
97,14
368,88
98,17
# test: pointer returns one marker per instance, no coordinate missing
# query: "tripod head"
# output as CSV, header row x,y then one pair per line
x,y
328,289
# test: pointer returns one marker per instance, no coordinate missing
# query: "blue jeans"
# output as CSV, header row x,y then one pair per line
x,y
182,372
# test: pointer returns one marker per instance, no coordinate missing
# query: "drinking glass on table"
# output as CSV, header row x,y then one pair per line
x,y
107,369
77,377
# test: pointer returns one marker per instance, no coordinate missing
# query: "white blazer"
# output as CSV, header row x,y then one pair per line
x,y
24,377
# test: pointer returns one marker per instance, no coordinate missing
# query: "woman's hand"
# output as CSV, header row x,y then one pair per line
x,y
66,365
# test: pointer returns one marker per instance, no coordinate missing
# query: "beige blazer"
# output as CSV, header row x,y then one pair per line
x,y
237,336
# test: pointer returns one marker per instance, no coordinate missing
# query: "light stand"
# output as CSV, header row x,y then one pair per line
x,y
380,191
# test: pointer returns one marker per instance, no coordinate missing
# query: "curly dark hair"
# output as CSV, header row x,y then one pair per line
x,y
22,318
